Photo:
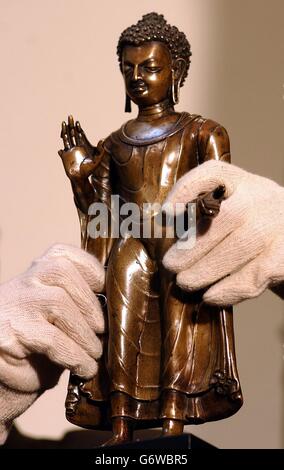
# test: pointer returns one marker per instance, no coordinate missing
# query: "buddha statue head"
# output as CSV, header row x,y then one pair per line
x,y
154,58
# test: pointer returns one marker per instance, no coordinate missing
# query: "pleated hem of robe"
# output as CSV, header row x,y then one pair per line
x,y
207,406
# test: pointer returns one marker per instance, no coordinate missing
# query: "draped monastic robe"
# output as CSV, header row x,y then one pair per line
x,y
166,355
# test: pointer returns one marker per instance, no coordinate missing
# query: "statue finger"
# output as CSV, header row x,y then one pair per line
x,y
66,142
70,121
79,133
72,137
78,125
63,129
71,130
65,137
78,136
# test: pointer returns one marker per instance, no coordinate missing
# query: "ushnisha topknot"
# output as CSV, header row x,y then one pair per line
x,y
154,27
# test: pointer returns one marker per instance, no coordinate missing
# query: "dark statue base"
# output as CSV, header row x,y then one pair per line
x,y
182,442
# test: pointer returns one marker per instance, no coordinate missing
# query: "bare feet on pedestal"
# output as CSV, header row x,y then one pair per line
x,y
122,429
172,427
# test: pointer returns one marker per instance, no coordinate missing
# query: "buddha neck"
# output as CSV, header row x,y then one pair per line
x,y
155,111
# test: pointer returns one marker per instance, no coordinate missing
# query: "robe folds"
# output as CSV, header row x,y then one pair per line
x,y
166,354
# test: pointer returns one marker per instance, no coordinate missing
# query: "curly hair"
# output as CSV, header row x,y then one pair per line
x,y
154,27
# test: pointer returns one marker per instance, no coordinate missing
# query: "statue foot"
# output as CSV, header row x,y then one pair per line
x,y
122,429
172,427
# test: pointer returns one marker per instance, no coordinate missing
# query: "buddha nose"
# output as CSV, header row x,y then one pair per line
x,y
136,73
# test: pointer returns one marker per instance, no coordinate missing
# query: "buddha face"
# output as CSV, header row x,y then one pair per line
x,y
147,71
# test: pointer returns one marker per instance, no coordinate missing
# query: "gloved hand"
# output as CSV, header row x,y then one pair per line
x,y
49,317
242,253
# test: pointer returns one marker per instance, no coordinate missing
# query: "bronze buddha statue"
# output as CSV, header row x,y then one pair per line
x,y
169,359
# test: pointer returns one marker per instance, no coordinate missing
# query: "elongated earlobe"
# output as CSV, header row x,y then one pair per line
x,y
175,89
127,108
178,72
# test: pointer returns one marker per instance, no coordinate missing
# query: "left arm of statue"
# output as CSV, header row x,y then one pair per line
x,y
242,252
213,142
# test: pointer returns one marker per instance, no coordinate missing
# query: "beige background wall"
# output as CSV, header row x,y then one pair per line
x,y
58,57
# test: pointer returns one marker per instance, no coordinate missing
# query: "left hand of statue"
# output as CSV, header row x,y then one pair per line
x,y
242,252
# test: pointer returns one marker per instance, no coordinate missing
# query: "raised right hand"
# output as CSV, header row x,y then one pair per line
x,y
79,156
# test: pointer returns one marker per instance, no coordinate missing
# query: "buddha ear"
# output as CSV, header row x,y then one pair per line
x,y
127,107
179,69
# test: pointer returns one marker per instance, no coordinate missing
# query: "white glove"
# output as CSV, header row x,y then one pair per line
x,y
49,317
242,253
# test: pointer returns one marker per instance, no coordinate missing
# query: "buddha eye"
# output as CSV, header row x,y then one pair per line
x,y
152,69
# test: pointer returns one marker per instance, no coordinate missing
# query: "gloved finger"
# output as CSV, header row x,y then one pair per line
x,y
58,347
247,283
179,257
62,273
89,267
18,375
35,372
204,178
229,255
60,310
